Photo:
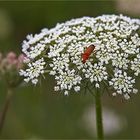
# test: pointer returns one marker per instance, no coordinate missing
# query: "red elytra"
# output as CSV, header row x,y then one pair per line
x,y
87,53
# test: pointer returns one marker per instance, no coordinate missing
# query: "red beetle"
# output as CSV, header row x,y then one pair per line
x,y
87,53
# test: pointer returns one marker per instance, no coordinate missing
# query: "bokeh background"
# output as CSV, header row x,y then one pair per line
x,y
36,111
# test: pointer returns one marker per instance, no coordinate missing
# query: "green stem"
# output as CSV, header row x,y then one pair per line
x,y
99,121
5,108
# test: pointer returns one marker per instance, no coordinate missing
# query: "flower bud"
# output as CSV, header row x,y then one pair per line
x,y
11,58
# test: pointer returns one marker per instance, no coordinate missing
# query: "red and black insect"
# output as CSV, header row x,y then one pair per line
x,y
87,53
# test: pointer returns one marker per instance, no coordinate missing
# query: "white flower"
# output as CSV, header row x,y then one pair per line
x,y
122,83
77,88
34,81
66,92
120,60
68,80
96,73
135,65
34,70
56,88
116,39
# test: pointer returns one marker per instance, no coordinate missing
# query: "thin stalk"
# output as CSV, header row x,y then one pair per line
x,y
5,108
99,120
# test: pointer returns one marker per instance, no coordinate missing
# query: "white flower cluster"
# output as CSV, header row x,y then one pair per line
x,y
33,71
67,80
123,83
116,55
135,65
96,73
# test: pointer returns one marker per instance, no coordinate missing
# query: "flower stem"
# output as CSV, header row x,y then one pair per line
x,y
5,108
99,120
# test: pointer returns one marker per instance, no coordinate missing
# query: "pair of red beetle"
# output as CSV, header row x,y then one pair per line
x,y
87,53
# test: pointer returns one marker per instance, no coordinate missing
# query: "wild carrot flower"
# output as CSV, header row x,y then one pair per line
x,y
115,61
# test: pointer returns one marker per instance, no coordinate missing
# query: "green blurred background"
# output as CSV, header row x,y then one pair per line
x,y
38,112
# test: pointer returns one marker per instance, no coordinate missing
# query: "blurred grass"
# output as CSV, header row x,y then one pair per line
x,y
38,112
